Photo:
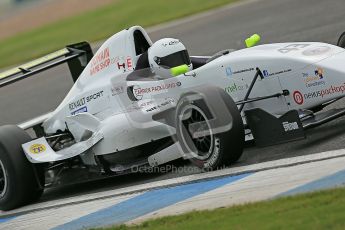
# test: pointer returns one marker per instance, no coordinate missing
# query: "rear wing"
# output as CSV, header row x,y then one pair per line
x,y
76,55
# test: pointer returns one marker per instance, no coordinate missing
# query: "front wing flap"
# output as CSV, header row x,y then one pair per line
x,y
39,151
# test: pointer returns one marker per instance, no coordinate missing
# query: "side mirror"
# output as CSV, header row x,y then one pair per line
x,y
178,70
252,40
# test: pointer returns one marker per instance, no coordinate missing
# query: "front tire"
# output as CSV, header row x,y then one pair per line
x,y
20,181
215,150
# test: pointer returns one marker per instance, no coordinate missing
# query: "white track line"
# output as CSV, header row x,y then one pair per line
x,y
47,219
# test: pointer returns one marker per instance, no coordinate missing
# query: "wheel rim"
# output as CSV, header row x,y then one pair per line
x,y
204,144
3,180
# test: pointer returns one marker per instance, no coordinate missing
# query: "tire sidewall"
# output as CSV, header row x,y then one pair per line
x,y
22,182
10,174
220,153
213,160
341,41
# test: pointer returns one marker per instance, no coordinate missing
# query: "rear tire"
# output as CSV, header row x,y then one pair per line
x,y
341,41
21,182
214,150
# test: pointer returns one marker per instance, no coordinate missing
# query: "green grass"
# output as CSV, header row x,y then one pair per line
x,y
96,25
318,210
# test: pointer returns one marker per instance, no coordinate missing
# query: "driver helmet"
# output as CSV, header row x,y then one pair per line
x,y
166,54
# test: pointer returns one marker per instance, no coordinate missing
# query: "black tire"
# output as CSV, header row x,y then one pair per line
x,y
341,41
23,181
226,147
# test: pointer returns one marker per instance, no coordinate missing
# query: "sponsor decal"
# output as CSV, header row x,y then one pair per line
x,y
80,110
191,74
37,148
229,72
140,92
298,97
100,61
174,42
137,92
116,90
82,101
215,155
129,63
315,79
339,89
124,63
94,96
144,104
234,88
314,94
76,104
138,106
319,73
266,73
290,126
160,106
319,50
292,47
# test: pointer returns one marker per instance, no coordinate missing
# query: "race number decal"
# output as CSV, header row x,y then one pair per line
x,y
298,97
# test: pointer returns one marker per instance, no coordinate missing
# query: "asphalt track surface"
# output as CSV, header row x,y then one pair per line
x,y
275,21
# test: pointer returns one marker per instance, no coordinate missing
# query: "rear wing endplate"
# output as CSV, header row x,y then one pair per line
x,y
76,55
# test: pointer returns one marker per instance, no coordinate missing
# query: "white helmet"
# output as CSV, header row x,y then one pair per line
x,y
167,53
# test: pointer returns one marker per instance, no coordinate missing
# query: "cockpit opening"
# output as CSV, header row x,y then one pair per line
x,y
140,42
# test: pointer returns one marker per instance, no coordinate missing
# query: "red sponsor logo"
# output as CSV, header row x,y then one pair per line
x,y
129,63
124,63
100,61
333,89
298,97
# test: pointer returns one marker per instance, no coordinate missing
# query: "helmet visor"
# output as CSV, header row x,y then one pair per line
x,y
173,60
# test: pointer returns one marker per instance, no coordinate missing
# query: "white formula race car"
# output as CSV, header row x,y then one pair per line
x,y
119,116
